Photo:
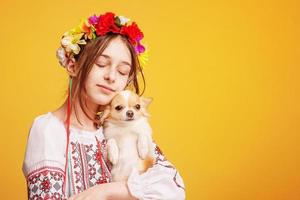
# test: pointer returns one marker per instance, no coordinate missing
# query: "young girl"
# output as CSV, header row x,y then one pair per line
x,y
66,155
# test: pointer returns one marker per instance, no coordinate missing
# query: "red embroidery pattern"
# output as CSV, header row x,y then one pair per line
x,y
85,166
45,183
101,157
77,168
160,158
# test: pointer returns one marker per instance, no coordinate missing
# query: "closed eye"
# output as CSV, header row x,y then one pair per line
x,y
100,65
124,69
123,74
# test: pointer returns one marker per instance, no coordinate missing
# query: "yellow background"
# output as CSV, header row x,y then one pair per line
x,y
224,76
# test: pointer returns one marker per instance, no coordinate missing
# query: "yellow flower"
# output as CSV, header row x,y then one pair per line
x,y
89,30
71,43
143,58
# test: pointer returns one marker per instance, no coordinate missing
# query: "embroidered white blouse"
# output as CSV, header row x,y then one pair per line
x,y
44,164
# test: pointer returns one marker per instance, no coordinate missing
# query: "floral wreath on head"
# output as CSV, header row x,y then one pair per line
x,y
96,26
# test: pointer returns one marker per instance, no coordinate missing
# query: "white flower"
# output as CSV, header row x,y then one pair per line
x,y
61,56
123,20
71,43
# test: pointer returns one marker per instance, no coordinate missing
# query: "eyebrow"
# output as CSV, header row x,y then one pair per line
x,y
123,62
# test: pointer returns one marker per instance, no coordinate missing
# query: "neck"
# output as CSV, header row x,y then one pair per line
x,y
85,123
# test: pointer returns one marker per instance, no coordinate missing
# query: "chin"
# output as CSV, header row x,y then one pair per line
x,y
102,99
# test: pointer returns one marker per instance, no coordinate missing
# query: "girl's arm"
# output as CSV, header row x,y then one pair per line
x,y
43,165
107,191
162,181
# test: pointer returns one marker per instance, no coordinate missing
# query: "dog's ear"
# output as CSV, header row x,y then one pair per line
x,y
104,114
146,101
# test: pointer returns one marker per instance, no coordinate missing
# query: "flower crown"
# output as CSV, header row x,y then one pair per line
x,y
96,26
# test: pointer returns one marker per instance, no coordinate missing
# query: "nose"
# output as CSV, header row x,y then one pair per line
x,y
129,113
110,75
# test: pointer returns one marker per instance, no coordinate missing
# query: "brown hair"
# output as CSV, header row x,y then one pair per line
x,y
85,61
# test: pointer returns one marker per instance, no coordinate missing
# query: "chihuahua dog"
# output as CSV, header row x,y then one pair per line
x,y
128,134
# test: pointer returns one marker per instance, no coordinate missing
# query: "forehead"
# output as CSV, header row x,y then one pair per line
x,y
117,50
126,98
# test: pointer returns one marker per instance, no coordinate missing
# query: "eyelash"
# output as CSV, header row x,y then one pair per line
x,y
100,65
123,74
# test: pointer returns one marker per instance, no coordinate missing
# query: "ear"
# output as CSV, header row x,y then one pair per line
x,y
146,101
105,114
71,67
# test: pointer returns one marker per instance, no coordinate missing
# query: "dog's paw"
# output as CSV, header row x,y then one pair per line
x,y
113,151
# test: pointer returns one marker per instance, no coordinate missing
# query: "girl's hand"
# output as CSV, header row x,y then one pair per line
x,y
106,191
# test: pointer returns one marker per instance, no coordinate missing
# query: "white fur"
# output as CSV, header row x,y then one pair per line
x,y
128,143
126,94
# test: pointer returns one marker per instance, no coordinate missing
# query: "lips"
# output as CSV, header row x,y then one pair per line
x,y
106,87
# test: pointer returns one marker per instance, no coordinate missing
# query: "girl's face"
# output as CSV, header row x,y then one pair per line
x,y
109,73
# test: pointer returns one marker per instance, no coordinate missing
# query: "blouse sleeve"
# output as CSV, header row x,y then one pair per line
x,y
43,165
162,181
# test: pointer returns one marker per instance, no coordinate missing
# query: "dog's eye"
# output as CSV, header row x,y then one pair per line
x,y
137,106
118,108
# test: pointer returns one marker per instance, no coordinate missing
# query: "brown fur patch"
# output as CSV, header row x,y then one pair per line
x,y
147,163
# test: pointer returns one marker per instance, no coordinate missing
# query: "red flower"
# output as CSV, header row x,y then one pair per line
x,y
132,32
106,24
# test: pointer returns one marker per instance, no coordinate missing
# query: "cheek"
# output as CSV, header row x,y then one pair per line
x,y
137,113
121,83
90,83
118,114
92,76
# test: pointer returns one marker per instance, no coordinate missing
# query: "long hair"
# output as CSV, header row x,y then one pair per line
x,y
85,61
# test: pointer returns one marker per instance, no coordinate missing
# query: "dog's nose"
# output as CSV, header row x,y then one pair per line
x,y
129,113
